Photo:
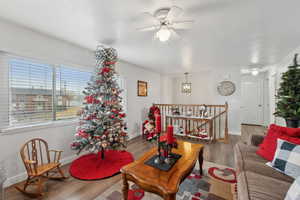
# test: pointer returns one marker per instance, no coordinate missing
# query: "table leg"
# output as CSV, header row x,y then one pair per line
x,y
170,197
125,187
201,161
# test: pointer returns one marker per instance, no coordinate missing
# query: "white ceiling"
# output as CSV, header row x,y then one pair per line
x,y
227,33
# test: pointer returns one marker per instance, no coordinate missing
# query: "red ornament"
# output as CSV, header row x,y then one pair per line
x,y
122,115
91,99
105,70
75,144
115,111
123,134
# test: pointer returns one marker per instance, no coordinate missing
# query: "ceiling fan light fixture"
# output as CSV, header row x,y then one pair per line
x,y
163,34
255,71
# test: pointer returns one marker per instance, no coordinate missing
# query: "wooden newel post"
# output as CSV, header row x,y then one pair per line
x,y
226,123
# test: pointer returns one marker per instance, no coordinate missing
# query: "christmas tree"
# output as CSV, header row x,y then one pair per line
x,y
288,96
102,123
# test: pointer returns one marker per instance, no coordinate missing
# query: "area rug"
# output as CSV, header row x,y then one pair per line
x,y
194,187
92,167
225,174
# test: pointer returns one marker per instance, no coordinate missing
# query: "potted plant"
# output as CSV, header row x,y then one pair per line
x,y
288,96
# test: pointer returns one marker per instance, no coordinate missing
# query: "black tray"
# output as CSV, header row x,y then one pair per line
x,y
163,166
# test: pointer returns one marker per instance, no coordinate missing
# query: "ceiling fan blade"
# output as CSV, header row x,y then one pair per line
x,y
184,24
148,18
148,28
173,13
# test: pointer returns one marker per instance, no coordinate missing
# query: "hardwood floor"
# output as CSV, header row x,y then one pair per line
x,y
73,189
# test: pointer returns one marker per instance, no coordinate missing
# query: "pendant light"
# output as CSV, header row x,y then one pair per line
x,y
186,87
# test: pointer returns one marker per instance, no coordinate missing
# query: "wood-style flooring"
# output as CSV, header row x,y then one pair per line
x,y
73,189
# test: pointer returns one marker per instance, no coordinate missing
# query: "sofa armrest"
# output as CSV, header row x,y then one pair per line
x,y
256,139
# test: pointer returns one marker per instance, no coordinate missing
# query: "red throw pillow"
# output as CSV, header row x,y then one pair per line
x,y
293,132
268,147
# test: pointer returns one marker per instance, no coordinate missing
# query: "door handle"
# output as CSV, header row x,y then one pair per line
x,y
259,105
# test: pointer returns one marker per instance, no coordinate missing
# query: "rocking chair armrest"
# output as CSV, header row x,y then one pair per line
x,y
56,156
52,150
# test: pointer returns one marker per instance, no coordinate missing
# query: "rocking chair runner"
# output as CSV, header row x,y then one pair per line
x,y
39,165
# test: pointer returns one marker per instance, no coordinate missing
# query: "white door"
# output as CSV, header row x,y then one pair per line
x,y
252,100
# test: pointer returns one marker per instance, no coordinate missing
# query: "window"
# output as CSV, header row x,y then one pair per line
x,y
69,86
32,98
30,92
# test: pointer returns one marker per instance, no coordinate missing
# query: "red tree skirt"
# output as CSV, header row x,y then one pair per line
x,y
92,167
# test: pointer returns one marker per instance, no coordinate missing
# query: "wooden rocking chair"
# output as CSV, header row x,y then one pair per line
x,y
39,165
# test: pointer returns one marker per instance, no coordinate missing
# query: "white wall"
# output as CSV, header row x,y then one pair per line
x,y
204,91
166,92
20,41
137,107
25,42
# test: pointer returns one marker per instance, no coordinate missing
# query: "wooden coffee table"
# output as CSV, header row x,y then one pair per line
x,y
165,184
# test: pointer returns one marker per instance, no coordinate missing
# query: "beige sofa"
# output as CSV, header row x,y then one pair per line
x,y
257,181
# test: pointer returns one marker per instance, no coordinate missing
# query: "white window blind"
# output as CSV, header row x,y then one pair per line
x,y
39,92
69,86
30,92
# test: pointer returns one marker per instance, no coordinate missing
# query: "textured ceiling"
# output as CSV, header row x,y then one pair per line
x,y
226,33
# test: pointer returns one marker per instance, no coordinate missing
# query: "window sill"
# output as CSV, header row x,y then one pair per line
x,y
33,127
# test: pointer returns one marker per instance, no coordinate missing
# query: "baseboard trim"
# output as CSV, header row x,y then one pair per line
x,y
235,133
22,176
245,124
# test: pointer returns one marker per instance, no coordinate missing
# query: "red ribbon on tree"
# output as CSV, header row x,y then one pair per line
x,y
110,62
158,123
90,117
83,134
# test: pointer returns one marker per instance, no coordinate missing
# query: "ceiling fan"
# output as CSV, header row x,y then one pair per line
x,y
164,22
